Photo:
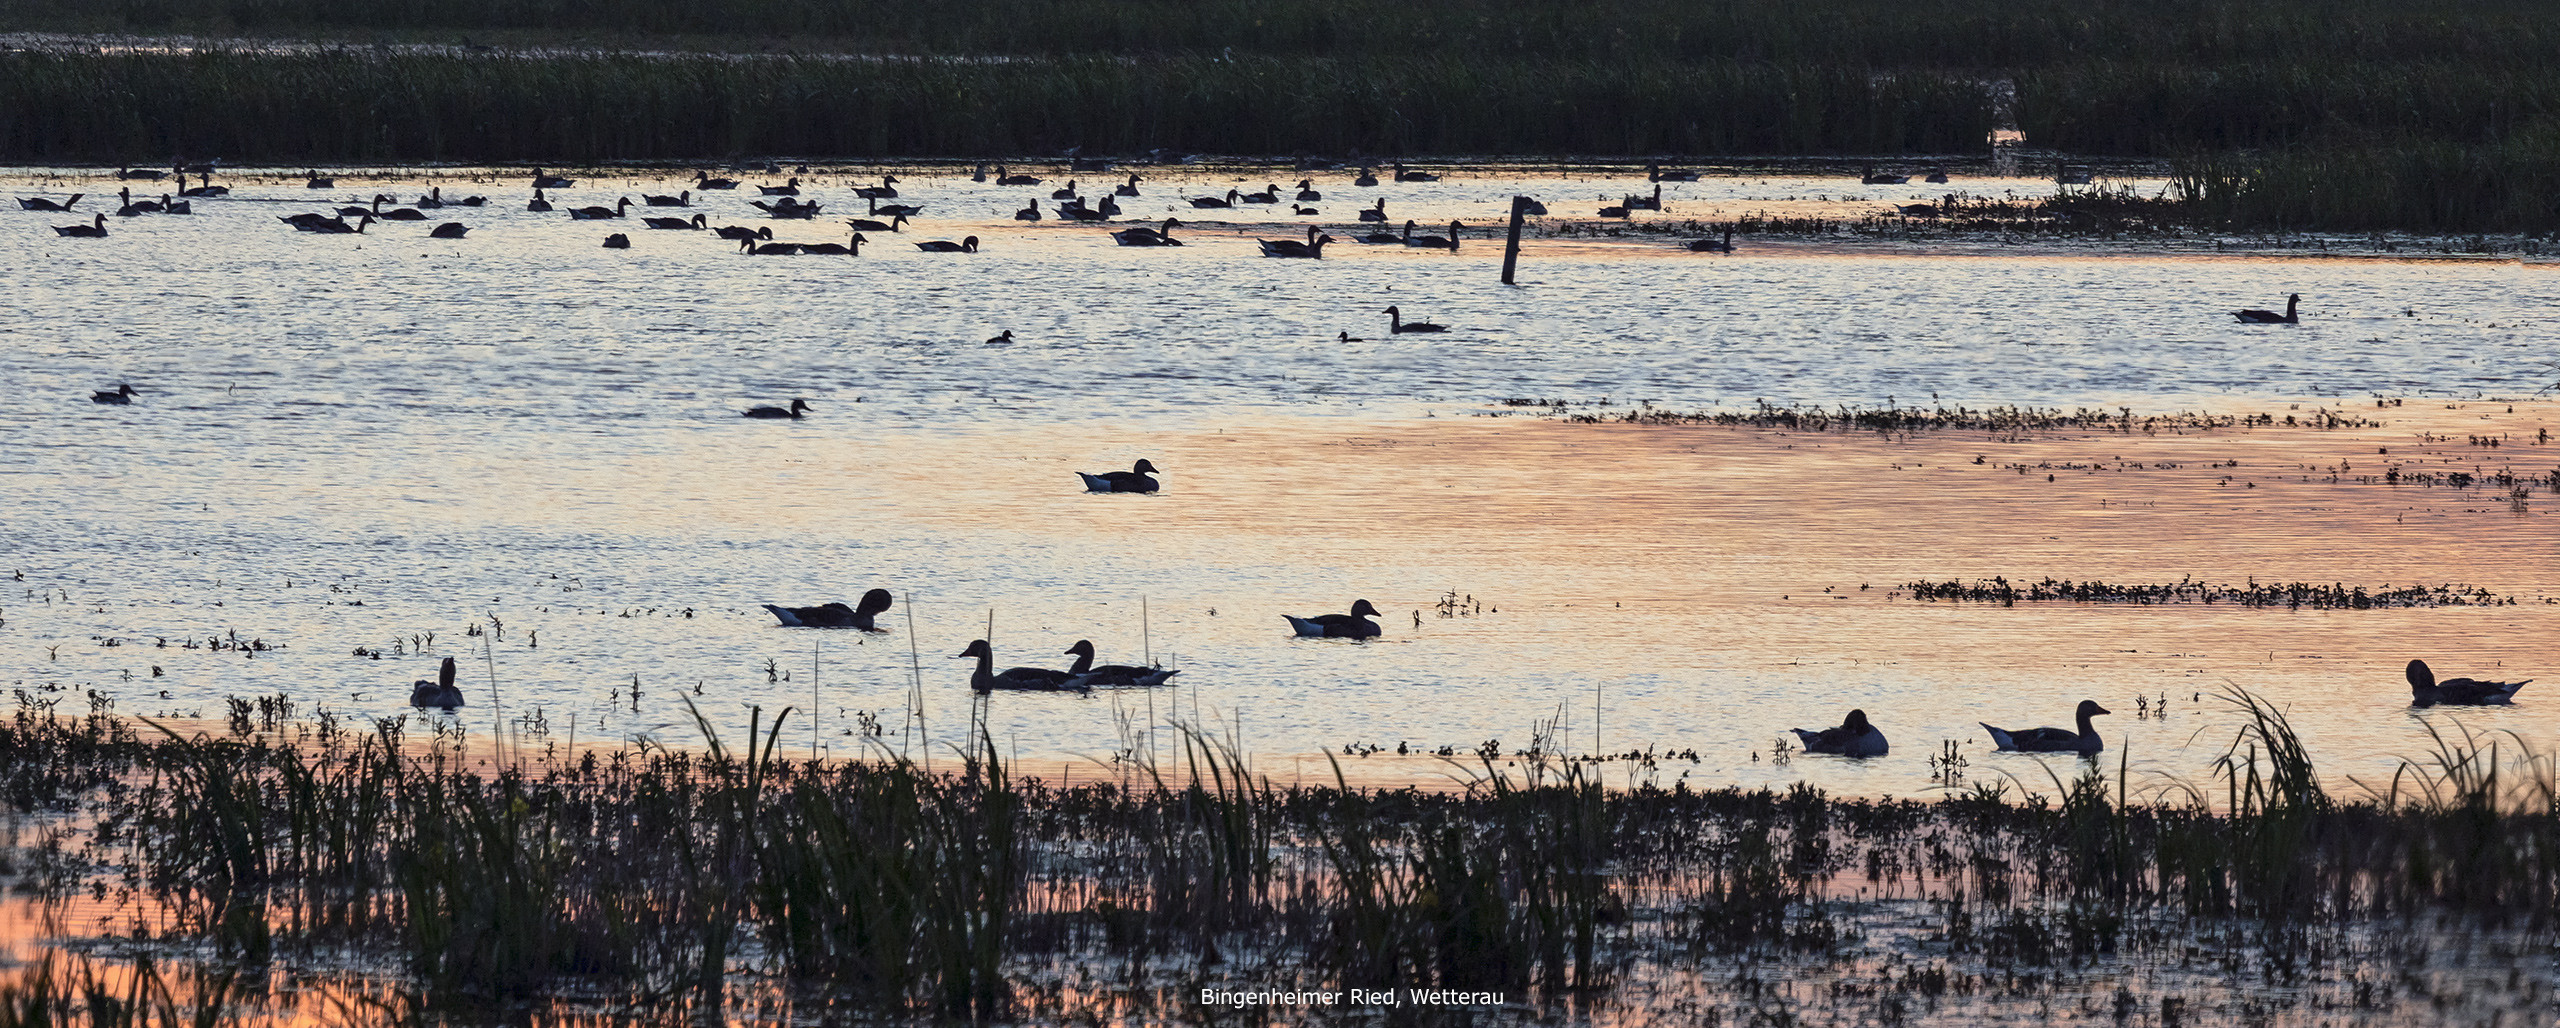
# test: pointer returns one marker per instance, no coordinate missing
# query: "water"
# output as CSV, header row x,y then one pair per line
x,y
350,442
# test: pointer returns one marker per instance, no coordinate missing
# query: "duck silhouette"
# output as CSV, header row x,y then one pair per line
x,y
2085,742
1134,480
1112,675
1854,738
439,693
1034,679
2426,691
836,615
1354,625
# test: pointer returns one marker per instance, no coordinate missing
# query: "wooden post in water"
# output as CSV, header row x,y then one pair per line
x,y
1511,249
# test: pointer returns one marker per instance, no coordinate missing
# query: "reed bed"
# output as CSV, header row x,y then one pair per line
x,y
665,875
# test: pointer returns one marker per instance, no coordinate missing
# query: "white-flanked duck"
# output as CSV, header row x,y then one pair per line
x,y
2085,742
1144,236
95,230
2425,691
797,408
1396,325
1354,625
122,395
1307,190
1088,675
1854,738
1312,249
696,222
2292,314
967,244
836,615
1038,679
599,213
1134,480
439,693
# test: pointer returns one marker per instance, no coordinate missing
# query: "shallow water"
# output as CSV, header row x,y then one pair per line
x,y
349,442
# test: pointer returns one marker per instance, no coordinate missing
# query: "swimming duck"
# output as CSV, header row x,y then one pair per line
x,y
1134,480
39,203
1312,249
737,232
207,189
1376,213
768,249
868,225
146,174
449,230
539,205
1711,246
697,221
895,210
1269,194
1448,242
1655,173
1029,212
432,201
886,190
702,180
849,248
968,244
542,181
791,188
439,693
2292,314
836,615
1936,175
122,395
681,199
599,213
787,208
1144,236
2054,740
329,226
1129,188
1368,177
797,408
1004,338
1873,177
1307,190
1354,625
1639,203
97,230
1112,675
2425,691
1214,202
1854,738
1065,192
414,214
169,206
1003,179
1413,176
985,678
617,241
1614,212
1396,325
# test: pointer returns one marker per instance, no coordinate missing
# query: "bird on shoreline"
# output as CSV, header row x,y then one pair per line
x,y
1035,679
1134,480
2085,742
2292,314
1854,738
1354,625
836,615
797,408
1087,675
2426,691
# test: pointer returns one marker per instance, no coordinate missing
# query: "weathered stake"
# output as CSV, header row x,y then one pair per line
x,y
1511,249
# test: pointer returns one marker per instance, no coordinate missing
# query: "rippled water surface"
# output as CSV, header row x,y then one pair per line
x,y
351,441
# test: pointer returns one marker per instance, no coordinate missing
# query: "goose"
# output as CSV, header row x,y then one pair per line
x,y
1004,338
1368,177
126,208
985,678
788,208
1449,243
1003,179
470,201
97,230
433,200
1129,188
894,210
849,248
1067,192
439,693
1312,249
683,198
306,222
1854,738
1211,201
1144,236
791,188
2292,314
1307,190
41,204
1376,213
1110,207
1302,210
1029,212
122,395
868,225
1134,480
539,205
169,206
1711,246
1396,325
148,174
333,226
1383,238
449,230
207,189
797,408
966,245
1642,203
1354,625
1873,177
1936,176
702,180
1082,213
1269,194
1112,675
736,232
617,241
768,249
542,181
2425,691
697,221
2085,742
355,211
886,190
414,214
835,615
599,213
1654,172
1413,176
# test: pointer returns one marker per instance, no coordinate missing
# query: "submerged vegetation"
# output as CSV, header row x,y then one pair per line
x,y
670,878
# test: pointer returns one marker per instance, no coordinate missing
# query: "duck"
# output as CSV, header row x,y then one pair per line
x,y
432,201
968,244
310,222
599,213
895,210
1532,208
868,225
702,180
1873,177
788,208
1215,202
849,248
1413,176
1039,679
768,249
539,205
1307,190
2084,742
797,408
696,222
470,201
1354,625
1368,177
682,198
1003,179
1382,238
791,188
39,203
1088,675
1641,203
449,230
1711,246
414,214
1029,212
1396,325
334,226
1312,249
1346,337
439,693
738,232
1134,480
542,181
836,615
1302,210
1449,242
2425,691
96,230
1619,211
1129,188
1937,176
1269,194
1004,338
1655,172
126,208
147,174
207,189
617,241
122,395
2292,314
886,190
1854,738
1066,192
1144,236
1377,212
169,206
1078,212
